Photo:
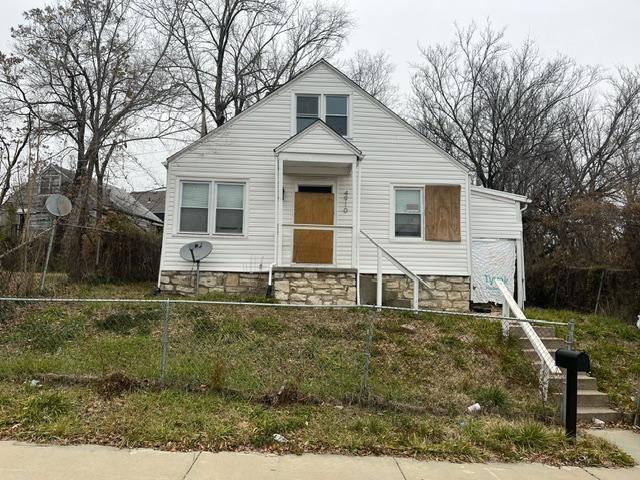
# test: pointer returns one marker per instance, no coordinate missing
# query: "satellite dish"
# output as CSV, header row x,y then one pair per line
x,y
58,205
194,252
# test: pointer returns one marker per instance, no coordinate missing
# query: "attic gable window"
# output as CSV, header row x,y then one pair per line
x,y
336,113
307,111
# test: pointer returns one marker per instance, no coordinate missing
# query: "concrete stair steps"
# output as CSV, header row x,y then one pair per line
x,y
533,355
552,343
587,414
591,403
585,382
541,331
588,398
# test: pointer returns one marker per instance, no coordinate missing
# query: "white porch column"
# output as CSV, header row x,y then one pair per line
x,y
354,213
280,186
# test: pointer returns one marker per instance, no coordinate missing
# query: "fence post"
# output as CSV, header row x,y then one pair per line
x,y
165,339
506,313
364,385
571,334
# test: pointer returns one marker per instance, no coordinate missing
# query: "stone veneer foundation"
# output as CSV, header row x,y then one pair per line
x,y
442,292
233,283
325,286
315,286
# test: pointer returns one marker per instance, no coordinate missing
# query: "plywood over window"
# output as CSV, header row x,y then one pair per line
x,y
442,213
313,208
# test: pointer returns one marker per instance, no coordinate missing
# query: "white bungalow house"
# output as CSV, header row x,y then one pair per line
x,y
319,190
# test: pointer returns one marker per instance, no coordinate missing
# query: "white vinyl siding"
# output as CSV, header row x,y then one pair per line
x,y
393,155
494,217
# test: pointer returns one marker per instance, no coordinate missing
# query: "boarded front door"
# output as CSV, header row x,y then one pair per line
x,y
313,245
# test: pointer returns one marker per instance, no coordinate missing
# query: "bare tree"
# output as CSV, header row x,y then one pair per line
x,y
600,134
87,69
495,108
230,53
374,73
16,126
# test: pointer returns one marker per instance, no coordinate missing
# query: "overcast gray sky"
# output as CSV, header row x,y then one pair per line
x,y
594,32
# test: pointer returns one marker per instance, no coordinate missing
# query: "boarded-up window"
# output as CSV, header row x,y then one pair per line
x,y
442,213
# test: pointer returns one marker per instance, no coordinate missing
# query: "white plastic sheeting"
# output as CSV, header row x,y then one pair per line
x,y
491,260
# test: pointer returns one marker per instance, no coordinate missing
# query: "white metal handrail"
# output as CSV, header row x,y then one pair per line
x,y
380,251
547,364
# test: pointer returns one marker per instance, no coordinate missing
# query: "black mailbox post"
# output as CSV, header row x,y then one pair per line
x,y
573,362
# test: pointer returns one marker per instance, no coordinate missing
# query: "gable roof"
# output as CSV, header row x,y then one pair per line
x,y
366,94
499,193
318,126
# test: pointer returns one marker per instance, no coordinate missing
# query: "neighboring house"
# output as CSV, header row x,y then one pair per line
x,y
319,184
55,179
153,200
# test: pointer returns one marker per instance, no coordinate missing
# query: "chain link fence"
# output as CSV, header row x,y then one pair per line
x,y
272,353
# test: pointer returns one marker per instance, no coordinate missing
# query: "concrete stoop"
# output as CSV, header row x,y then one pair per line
x,y
591,402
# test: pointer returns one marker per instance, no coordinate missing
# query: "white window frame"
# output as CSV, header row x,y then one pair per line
x,y
348,114
295,108
322,107
179,216
212,205
244,208
392,213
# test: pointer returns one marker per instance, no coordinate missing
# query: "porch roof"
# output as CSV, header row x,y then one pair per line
x,y
319,138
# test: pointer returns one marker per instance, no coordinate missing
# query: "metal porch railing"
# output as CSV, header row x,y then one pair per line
x,y
381,252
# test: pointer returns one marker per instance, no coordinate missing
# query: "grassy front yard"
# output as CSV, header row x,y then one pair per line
x,y
235,376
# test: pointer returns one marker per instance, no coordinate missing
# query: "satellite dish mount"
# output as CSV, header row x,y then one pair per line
x,y
58,206
194,252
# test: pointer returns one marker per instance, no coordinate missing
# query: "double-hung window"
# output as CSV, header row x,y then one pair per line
x,y
408,212
230,208
307,111
225,199
49,183
194,207
336,115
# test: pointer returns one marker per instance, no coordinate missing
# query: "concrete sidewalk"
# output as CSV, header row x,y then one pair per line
x,y
21,461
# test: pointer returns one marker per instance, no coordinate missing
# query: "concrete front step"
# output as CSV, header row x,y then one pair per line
x,y
585,382
541,331
588,398
531,354
552,343
588,414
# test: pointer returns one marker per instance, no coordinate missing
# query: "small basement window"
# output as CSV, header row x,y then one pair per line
x,y
408,212
230,208
336,113
307,111
194,207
